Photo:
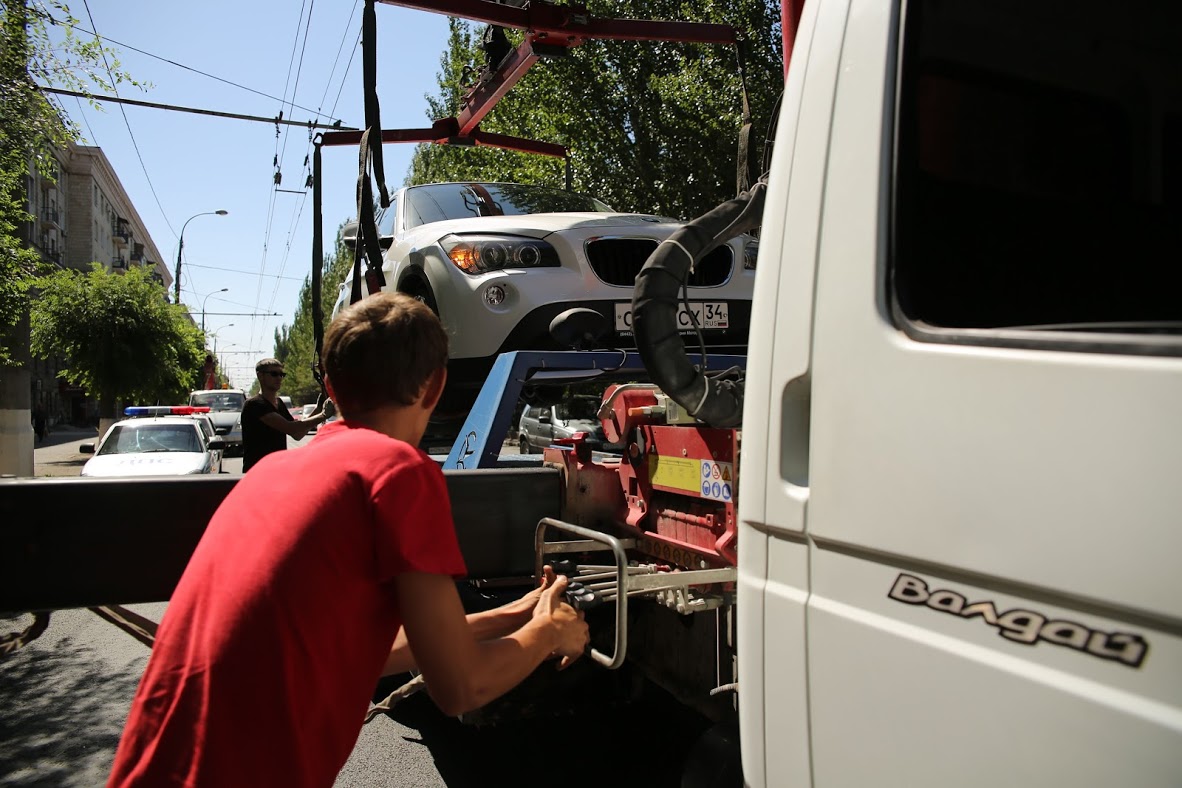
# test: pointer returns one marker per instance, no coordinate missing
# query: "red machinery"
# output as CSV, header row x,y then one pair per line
x,y
665,510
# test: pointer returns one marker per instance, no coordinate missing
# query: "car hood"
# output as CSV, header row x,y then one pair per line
x,y
172,463
539,225
224,418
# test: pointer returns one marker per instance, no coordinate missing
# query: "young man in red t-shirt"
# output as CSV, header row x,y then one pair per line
x,y
288,611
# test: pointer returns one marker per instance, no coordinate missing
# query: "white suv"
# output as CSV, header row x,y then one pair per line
x,y
499,261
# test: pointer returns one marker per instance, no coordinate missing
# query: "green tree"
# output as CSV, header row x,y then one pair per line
x,y
295,345
651,126
32,125
118,336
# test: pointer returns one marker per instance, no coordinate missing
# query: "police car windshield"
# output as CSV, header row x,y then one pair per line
x,y
148,438
219,401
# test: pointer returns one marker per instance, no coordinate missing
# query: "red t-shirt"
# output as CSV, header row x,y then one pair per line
x,y
273,641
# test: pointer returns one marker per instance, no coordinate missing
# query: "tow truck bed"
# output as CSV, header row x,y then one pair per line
x,y
68,543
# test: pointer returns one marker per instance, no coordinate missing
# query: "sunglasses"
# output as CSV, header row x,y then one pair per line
x,y
276,374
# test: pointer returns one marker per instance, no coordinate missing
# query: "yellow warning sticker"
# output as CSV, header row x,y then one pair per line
x,y
678,473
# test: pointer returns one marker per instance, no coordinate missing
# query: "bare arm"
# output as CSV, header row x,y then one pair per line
x,y
300,427
463,673
485,625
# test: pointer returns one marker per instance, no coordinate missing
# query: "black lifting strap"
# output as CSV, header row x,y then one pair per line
x,y
373,115
745,175
367,245
317,263
367,230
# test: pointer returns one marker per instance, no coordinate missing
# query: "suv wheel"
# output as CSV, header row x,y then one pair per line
x,y
422,291
523,444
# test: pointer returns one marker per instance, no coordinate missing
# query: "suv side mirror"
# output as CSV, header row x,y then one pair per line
x,y
349,235
544,416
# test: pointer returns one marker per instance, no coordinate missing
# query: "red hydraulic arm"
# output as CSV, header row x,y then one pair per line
x,y
553,28
447,130
789,21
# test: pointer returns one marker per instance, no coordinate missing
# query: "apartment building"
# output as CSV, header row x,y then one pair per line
x,y
80,216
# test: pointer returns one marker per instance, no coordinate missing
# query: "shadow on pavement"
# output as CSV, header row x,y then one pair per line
x,y
60,726
592,742
67,435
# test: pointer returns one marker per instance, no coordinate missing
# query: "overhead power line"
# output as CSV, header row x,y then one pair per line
x,y
214,113
110,40
130,133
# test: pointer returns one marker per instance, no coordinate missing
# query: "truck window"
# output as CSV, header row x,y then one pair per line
x,y
1038,187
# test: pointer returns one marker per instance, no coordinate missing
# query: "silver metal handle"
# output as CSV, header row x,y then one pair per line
x,y
595,540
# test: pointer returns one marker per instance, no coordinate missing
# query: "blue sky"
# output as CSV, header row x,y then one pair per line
x,y
175,165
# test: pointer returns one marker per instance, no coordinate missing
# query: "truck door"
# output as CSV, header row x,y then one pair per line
x,y
992,493
774,474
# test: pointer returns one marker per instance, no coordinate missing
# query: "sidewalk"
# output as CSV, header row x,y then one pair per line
x,y
58,454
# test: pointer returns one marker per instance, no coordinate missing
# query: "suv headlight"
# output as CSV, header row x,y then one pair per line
x,y
479,254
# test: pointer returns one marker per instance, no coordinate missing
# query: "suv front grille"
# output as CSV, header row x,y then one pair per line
x,y
617,261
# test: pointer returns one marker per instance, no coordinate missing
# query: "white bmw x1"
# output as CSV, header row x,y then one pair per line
x,y
498,262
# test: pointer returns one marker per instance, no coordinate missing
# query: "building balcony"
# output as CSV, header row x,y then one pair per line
x,y
51,216
119,261
121,232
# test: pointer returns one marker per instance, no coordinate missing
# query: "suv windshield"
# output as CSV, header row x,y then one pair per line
x,y
219,401
578,409
441,201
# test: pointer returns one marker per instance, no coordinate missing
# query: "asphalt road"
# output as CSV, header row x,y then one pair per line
x,y
64,698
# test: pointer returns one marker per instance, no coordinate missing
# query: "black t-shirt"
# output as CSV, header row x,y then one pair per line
x,y
259,440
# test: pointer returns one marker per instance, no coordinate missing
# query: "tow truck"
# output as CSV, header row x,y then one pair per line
x,y
947,551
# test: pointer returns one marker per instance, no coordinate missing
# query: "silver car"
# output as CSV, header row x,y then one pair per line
x,y
542,425
225,411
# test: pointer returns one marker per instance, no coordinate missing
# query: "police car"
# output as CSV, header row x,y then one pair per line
x,y
167,440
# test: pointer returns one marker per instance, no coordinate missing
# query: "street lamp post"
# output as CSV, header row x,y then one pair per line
x,y
223,290
181,245
214,334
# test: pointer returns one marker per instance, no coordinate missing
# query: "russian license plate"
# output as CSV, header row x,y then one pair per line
x,y
709,315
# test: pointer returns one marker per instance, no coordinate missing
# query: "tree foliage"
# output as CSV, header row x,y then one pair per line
x,y
651,126
117,335
295,344
32,125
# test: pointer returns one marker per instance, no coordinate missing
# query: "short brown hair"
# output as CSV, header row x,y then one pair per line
x,y
382,350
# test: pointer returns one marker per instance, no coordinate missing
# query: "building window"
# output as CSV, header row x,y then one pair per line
x,y
1037,195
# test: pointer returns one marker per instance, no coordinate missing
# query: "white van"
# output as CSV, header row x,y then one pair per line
x,y
962,433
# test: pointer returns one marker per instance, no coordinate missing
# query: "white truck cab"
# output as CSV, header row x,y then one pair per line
x,y
961,508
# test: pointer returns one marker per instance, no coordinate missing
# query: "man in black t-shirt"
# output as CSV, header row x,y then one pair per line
x,y
266,421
